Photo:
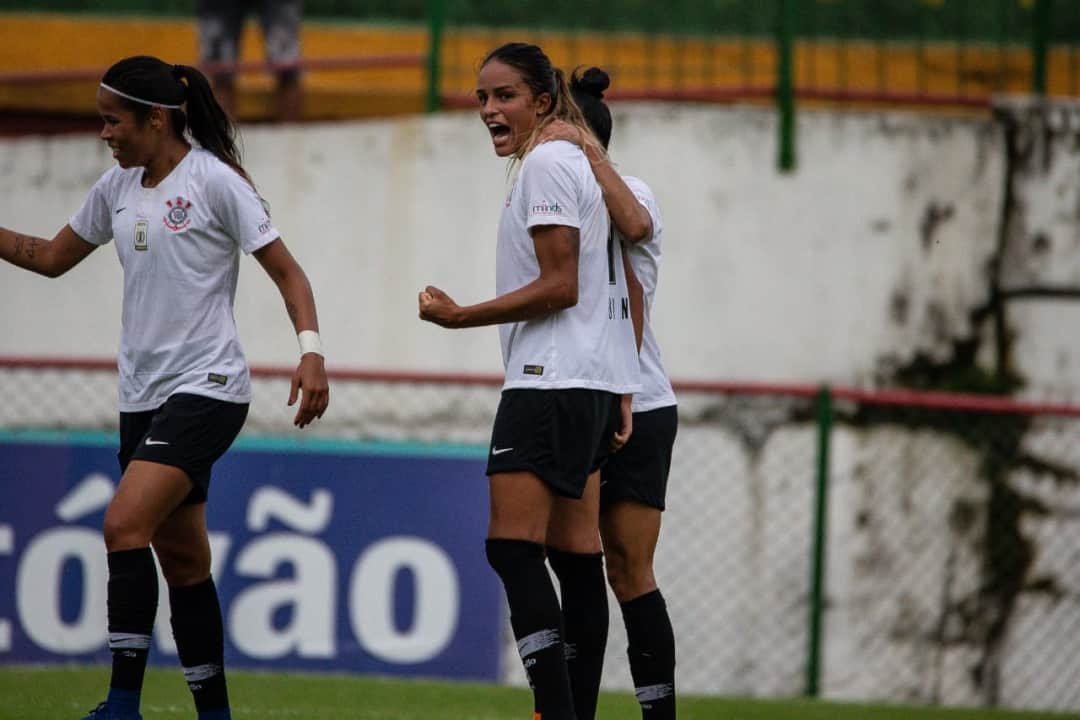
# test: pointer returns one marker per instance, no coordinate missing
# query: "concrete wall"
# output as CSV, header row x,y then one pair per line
x,y
903,247
875,250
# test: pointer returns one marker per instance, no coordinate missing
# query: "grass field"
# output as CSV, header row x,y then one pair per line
x,y
67,693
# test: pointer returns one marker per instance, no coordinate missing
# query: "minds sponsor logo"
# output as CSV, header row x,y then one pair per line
x,y
547,208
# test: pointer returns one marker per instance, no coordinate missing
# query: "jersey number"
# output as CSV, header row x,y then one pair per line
x,y
140,234
611,256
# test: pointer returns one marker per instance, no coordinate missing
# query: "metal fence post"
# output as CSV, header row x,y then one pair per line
x,y
1040,33
785,83
817,556
436,11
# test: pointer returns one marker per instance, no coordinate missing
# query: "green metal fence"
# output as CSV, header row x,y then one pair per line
x,y
832,542
923,52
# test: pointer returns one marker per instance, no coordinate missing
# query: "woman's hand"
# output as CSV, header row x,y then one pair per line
x,y
439,308
622,436
310,377
561,130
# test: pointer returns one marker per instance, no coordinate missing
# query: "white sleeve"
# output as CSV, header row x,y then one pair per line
x,y
550,185
240,210
645,196
93,221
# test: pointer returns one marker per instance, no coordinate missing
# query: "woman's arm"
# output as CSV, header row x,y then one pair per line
x,y
292,283
628,214
637,299
51,258
555,289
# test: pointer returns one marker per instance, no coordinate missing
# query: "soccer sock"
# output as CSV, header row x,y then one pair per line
x,y
200,642
536,620
583,589
132,604
652,654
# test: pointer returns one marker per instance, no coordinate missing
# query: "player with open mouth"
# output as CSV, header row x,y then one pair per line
x,y
568,345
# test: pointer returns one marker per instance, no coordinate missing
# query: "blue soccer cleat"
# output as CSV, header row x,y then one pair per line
x,y
102,712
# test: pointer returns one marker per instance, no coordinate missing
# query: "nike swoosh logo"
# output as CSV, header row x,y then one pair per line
x,y
120,210
500,451
156,442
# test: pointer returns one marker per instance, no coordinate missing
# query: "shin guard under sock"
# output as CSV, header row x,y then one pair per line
x,y
200,642
583,589
132,605
652,655
537,623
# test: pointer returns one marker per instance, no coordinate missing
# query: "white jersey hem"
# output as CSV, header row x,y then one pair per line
x,y
571,385
653,405
242,399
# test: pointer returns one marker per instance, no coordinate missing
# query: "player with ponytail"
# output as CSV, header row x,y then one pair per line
x,y
634,484
571,365
181,209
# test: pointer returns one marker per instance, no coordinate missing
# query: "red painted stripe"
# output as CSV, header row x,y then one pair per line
x,y
399,60
894,397
752,92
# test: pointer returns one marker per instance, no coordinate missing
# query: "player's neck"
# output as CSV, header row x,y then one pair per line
x,y
163,163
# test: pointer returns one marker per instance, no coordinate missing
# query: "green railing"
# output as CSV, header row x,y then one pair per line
x,y
909,52
937,51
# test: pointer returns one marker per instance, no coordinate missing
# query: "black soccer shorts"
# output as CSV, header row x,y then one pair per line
x,y
189,432
561,436
639,471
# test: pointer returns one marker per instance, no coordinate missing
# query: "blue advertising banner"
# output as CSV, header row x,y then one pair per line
x,y
359,558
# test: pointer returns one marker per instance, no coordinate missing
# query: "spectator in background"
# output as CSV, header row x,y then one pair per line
x,y
221,25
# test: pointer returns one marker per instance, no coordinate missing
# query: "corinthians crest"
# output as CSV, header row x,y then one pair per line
x,y
177,217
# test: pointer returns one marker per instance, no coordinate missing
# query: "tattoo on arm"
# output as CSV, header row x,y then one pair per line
x,y
25,245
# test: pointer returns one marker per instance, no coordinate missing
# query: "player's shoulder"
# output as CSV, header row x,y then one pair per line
x,y
206,165
116,183
638,186
554,153
214,174
115,177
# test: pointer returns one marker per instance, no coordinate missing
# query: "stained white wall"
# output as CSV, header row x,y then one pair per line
x,y
877,249
874,249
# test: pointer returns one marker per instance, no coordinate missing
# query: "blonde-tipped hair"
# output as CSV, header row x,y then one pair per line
x,y
542,77
565,108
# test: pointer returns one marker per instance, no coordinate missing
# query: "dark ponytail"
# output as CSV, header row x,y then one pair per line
x,y
588,90
207,121
143,81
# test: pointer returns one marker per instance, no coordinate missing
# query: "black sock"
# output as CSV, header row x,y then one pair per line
x,y
537,623
583,589
132,604
200,642
652,654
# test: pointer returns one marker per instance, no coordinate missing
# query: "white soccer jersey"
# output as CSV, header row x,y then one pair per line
x,y
590,345
179,246
656,391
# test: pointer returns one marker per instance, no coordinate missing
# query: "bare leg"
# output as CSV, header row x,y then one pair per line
x,y
289,97
630,531
521,505
148,493
574,553
183,547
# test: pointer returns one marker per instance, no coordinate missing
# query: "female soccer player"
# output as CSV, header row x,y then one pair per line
x,y
179,214
568,347
634,481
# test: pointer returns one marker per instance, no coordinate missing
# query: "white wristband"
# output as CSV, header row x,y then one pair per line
x,y
310,342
